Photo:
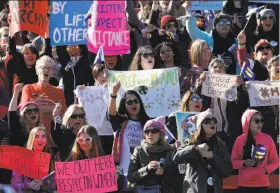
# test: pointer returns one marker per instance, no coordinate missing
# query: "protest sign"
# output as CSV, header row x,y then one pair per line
x,y
206,5
264,93
185,127
159,89
265,1
220,86
95,101
26,162
68,25
28,15
96,175
109,28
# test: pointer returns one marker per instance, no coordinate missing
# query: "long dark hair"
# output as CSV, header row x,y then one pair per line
x,y
176,58
142,115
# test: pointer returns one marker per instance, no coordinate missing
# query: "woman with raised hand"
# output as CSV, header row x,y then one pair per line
x,y
206,157
128,122
21,124
38,141
64,133
86,145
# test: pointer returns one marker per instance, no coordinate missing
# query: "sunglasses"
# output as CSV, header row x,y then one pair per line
x,y
4,35
267,17
76,116
257,121
29,111
147,55
260,49
84,140
224,22
194,99
209,120
130,102
171,25
153,131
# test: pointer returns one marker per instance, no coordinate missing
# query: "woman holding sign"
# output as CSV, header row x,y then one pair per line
x,y
128,123
151,163
87,145
254,155
206,157
38,141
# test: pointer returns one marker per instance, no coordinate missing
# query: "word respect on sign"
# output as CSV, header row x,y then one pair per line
x,y
96,175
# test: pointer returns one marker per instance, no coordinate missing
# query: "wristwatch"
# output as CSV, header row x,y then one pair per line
x,y
112,96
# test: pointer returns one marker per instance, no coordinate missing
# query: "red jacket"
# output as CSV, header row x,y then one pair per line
x,y
254,176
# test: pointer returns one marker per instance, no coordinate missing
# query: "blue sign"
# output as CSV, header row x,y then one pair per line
x,y
68,25
206,5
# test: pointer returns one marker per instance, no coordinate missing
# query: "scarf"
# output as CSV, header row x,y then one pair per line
x,y
220,106
155,148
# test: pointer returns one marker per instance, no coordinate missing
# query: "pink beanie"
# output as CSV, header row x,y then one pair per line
x,y
158,123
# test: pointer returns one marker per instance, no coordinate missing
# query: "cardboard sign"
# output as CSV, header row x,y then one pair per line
x,y
68,25
265,1
206,5
159,89
264,93
29,163
220,86
95,101
28,15
96,175
185,127
109,28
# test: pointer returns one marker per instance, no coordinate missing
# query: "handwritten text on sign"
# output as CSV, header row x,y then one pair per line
x,y
204,5
95,101
264,93
23,161
108,28
159,89
28,15
68,25
96,175
220,86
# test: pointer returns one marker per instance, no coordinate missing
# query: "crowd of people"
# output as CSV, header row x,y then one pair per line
x,y
42,112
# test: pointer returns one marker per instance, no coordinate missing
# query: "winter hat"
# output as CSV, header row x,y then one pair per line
x,y
220,16
262,42
266,12
203,115
246,118
158,123
166,19
22,106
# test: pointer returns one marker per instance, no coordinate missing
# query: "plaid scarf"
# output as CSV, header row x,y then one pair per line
x,y
117,145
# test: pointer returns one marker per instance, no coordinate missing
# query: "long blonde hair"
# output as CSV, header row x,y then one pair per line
x,y
31,139
70,110
196,51
24,123
96,151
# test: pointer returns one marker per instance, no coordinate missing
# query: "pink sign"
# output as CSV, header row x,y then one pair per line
x,y
96,175
108,28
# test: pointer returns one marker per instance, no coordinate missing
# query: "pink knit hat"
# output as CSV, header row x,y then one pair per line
x,y
158,123
23,105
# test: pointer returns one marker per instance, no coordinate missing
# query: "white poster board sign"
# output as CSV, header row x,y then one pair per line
x,y
264,93
159,89
95,101
220,86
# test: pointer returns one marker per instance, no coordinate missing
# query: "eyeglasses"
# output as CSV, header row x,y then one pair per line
x,y
194,99
224,22
267,17
260,49
29,111
76,116
152,131
130,102
147,55
209,120
257,121
171,25
84,140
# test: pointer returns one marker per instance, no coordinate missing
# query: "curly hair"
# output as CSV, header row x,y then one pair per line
x,y
136,62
